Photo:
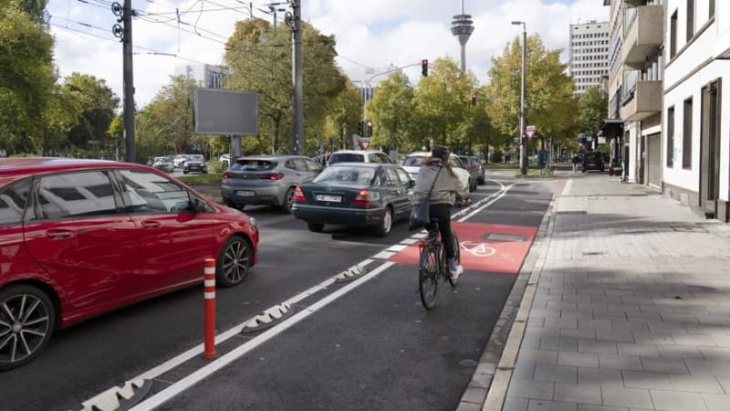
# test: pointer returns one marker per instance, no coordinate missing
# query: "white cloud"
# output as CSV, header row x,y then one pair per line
x,y
374,33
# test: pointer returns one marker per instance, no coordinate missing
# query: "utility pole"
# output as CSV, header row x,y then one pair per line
x,y
523,108
298,95
128,76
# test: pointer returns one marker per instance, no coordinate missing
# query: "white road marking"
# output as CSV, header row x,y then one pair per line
x,y
204,372
397,247
409,241
501,193
384,255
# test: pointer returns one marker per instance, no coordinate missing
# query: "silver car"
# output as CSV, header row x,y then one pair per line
x,y
266,179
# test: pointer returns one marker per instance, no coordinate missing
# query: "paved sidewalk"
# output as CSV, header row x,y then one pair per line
x,y
631,310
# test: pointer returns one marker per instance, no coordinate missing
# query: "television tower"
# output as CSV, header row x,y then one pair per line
x,y
462,26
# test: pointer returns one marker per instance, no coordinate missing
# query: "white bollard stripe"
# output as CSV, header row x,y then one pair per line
x,y
209,283
209,270
209,295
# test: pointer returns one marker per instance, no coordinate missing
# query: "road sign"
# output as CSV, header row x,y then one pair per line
x,y
530,131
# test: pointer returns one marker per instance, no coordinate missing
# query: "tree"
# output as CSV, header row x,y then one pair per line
x,y
26,71
260,60
592,109
550,107
441,104
95,104
391,111
344,114
169,116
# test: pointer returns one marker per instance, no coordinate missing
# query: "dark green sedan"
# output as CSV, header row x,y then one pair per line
x,y
355,195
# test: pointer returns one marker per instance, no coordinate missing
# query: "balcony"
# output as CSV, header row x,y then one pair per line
x,y
644,101
643,34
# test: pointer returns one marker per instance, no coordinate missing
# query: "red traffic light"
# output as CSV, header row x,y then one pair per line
x,y
424,67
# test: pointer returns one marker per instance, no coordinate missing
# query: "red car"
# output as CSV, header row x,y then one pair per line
x,y
81,237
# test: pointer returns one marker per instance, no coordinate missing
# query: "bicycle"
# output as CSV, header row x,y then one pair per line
x,y
432,264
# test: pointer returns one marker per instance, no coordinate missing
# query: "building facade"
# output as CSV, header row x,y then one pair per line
x,y
206,75
696,155
635,84
588,54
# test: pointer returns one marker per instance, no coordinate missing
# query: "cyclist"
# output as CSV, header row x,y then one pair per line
x,y
447,188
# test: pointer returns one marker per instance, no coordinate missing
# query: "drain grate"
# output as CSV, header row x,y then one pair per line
x,y
507,238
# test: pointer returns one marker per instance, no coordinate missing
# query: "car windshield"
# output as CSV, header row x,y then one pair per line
x,y
197,158
245,164
360,176
415,161
346,158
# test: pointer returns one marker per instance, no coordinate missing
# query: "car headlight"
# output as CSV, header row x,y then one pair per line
x,y
252,221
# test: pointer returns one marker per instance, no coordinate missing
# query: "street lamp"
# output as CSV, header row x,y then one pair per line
x,y
523,145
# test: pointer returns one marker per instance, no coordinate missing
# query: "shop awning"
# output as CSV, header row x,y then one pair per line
x,y
611,128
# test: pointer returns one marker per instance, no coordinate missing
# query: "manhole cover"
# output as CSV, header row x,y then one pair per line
x,y
511,238
468,363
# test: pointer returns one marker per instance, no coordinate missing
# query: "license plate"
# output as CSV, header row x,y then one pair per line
x,y
245,193
329,198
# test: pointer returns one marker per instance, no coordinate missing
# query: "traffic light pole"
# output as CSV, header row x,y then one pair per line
x,y
297,78
128,77
523,120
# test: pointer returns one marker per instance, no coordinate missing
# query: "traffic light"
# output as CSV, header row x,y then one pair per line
x,y
359,128
473,100
424,68
370,129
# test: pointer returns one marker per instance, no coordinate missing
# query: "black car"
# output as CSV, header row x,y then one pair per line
x,y
355,194
593,161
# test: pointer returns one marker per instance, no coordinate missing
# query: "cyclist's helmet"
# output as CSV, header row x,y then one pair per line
x,y
440,152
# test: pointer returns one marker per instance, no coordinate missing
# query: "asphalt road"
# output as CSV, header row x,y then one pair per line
x,y
373,347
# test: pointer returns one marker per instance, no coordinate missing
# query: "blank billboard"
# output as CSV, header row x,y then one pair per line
x,y
226,112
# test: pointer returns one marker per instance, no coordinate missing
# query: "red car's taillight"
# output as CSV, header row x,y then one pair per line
x,y
299,195
271,176
226,175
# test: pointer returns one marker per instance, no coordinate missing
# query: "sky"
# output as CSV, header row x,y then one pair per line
x,y
371,35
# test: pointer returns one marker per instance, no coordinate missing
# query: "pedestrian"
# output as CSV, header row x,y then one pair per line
x,y
437,178
575,162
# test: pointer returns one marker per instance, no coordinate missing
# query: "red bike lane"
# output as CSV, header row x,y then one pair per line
x,y
494,248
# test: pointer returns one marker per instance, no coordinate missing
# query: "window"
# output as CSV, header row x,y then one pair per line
x,y
391,177
687,137
145,192
670,137
690,19
405,179
84,194
12,202
673,35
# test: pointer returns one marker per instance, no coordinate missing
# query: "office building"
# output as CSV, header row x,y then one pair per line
x,y
588,54
206,75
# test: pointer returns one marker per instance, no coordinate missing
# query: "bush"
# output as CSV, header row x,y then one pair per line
x,y
496,157
216,166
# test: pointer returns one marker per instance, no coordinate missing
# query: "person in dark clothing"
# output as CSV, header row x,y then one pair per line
x,y
576,160
437,173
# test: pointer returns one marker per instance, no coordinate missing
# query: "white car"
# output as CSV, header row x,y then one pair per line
x,y
179,160
412,164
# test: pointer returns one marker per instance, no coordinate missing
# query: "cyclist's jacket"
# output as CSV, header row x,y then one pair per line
x,y
445,190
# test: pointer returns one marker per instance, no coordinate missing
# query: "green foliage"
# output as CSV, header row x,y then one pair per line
x,y
260,60
166,123
592,109
94,105
550,105
26,73
391,111
343,116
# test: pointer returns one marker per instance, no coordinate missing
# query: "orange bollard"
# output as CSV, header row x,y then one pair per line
x,y
209,315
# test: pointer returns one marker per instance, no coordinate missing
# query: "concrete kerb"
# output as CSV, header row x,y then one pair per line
x,y
488,386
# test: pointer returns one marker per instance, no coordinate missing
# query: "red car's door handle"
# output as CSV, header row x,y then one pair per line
x,y
59,234
150,224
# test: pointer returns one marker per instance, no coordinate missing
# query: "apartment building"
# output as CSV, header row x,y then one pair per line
x,y
635,85
206,75
588,55
696,155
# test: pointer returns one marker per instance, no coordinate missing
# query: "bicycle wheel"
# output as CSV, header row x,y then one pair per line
x,y
428,277
457,257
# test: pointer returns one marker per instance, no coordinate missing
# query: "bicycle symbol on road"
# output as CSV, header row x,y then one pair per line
x,y
477,249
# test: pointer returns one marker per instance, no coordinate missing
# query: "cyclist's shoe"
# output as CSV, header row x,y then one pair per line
x,y
455,270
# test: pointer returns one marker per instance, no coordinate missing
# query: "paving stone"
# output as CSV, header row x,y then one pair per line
x,y
638,349
588,334
598,347
578,359
620,362
632,325
677,401
712,367
561,322
546,372
696,383
537,356
515,404
716,402
639,379
696,340
626,397
475,394
540,405
581,393
600,376
625,336
725,383
666,365
711,353
653,338
531,389
679,351
722,340
559,344
524,371
587,407
594,324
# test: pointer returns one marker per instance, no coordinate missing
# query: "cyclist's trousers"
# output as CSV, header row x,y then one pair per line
x,y
443,213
